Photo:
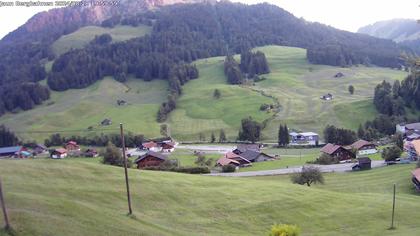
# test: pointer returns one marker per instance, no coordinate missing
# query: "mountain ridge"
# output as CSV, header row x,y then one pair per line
x,y
399,30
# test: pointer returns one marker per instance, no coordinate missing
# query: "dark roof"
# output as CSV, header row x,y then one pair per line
x,y
413,126
245,147
330,148
360,143
250,155
7,150
364,160
153,154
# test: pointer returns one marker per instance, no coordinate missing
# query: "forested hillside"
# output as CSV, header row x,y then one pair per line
x,y
180,34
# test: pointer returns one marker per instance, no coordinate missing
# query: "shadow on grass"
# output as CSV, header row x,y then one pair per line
x,y
7,232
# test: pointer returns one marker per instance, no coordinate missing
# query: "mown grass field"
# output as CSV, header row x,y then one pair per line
x,y
199,112
84,35
83,197
78,109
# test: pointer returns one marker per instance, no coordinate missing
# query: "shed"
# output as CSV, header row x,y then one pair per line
x,y
364,163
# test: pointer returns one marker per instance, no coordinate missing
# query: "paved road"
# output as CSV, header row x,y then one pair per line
x,y
291,170
207,148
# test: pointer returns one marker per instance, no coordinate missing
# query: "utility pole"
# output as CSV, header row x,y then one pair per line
x,y
125,170
3,206
393,209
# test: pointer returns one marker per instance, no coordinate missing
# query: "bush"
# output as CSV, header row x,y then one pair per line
x,y
112,156
326,159
391,153
228,168
284,230
308,175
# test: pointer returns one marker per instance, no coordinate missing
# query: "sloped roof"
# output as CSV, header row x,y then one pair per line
x,y
364,160
413,126
308,134
149,144
153,154
416,145
226,161
72,143
360,143
330,148
234,156
10,149
250,155
416,173
61,150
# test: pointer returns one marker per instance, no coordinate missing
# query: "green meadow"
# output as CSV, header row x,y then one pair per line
x,y
79,109
83,197
295,83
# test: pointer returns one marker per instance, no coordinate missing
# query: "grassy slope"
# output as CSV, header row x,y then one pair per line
x,y
81,197
84,35
198,111
298,85
80,108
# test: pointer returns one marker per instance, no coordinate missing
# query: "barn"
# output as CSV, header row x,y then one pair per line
x,y
150,159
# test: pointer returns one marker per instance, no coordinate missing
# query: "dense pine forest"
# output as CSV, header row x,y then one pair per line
x,y
181,34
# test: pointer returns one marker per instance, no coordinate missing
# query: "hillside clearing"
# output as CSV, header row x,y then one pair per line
x,y
84,35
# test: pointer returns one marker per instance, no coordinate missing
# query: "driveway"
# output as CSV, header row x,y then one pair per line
x,y
324,168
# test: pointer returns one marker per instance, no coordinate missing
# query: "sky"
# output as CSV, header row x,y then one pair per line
x,y
343,14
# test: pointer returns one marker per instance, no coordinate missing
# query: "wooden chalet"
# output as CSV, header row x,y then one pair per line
x,y
58,153
72,146
91,152
39,148
364,147
338,151
150,159
151,146
254,156
167,146
240,161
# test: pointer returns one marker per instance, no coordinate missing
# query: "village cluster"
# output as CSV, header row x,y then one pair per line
x,y
153,153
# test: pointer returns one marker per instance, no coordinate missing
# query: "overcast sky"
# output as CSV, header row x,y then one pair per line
x,y
343,14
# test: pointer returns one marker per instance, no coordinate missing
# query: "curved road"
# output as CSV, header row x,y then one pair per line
x,y
324,168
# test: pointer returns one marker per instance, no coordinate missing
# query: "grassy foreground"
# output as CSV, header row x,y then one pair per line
x,y
82,197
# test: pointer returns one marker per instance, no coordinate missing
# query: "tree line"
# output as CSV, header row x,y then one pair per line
x,y
181,34
102,140
7,137
252,64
